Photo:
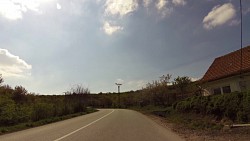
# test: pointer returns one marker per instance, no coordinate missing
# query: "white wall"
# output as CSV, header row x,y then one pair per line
x,y
233,82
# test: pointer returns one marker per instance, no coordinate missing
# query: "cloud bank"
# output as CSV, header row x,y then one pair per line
x,y
179,2
219,15
146,3
58,6
137,84
120,7
119,81
14,9
163,8
117,8
11,65
110,29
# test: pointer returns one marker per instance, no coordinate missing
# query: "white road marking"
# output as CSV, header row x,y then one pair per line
x,y
83,127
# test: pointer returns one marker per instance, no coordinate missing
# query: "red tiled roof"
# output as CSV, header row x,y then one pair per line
x,y
228,65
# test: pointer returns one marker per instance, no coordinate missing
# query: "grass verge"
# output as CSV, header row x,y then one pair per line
x,y
188,120
22,126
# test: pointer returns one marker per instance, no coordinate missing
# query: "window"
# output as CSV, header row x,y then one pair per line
x,y
226,89
217,91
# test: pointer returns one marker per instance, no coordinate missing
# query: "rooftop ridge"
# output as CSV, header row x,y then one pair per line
x,y
232,52
228,65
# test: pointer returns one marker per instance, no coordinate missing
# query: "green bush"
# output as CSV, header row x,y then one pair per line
x,y
235,106
42,111
7,111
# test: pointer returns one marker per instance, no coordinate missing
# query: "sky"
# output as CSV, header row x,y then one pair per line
x,y
49,46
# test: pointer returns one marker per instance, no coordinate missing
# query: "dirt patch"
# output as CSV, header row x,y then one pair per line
x,y
233,134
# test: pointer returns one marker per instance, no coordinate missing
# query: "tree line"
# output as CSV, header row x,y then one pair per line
x,y
161,92
17,105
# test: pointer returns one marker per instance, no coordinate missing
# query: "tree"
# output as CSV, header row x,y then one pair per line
x,y
78,95
181,83
79,89
157,91
19,94
165,79
1,79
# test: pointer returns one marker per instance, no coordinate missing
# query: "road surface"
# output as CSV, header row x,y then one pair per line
x,y
104,125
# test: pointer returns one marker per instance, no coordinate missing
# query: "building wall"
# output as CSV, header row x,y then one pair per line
x,y
247,79
233,82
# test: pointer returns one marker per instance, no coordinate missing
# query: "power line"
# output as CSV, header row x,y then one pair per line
x,y
241,53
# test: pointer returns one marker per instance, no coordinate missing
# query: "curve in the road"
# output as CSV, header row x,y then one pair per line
x,y
104,125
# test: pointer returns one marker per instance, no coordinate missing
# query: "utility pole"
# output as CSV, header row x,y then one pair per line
x,y
241,53
242,83
118,84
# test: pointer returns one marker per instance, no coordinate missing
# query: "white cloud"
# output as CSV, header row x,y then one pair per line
x,y
117,8
219,16
179,2
11,65
120,7
136,84
119,81
110,29
163,8
58,6
29,5
161,4
194,79
146,3
9,10
234,22
14,9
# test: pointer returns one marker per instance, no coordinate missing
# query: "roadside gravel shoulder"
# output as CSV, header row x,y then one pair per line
x,y
235,134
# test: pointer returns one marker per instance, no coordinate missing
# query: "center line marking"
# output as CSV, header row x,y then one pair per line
x,y
83,127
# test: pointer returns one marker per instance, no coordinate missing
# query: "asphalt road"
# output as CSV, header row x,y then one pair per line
x,y
104,125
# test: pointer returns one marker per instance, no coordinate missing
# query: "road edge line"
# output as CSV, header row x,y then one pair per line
x,y
83,127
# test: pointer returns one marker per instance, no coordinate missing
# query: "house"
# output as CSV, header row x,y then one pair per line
x,y
228,73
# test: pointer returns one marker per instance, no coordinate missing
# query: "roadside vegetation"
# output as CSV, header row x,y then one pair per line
x,y
178,101
20,109
181,102
234,106
206,113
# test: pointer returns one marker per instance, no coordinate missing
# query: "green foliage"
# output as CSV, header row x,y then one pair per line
x,y
42,111
182,83
23,113
19,94
18,106
234,106
158,93
20,126
7,111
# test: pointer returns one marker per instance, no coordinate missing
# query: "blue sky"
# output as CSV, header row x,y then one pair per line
x,y
48,46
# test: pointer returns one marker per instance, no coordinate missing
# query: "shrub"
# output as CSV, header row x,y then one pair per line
x,y
42,111
235,106
7,111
